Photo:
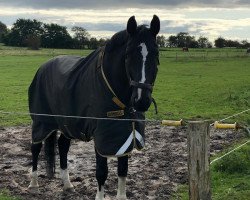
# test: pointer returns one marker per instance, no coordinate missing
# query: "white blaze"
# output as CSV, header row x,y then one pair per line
x,y
144,52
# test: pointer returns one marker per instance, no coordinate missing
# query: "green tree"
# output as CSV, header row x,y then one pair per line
x,y
3,31
23,29
161,41
33,42
183,39
203,42
220,42
81,37
93,43
56,36
232,43
102,42
191,42
245,44
172,41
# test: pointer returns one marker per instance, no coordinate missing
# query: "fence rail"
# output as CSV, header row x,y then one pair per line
x,y
203,55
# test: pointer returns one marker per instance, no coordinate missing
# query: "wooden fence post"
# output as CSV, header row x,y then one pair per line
x,y
198,160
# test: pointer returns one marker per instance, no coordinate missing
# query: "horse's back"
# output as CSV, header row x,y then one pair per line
x,y
58,89
56,70
49,80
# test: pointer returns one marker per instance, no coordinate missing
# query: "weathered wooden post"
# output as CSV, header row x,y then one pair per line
x,y
198,160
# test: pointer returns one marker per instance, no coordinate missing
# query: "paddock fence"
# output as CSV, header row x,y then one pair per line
x,y
203,55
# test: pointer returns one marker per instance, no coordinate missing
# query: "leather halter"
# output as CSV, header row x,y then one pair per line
x,y
133,83
136,84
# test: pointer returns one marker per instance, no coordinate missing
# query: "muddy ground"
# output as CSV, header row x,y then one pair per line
x,y
153,173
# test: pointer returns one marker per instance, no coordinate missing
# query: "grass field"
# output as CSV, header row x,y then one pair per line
x,y
199,84
190,87
17,69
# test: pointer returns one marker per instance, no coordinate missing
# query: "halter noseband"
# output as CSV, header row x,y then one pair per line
x,y
141,85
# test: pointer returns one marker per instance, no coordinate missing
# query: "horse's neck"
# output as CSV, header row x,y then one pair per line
x,y
114,69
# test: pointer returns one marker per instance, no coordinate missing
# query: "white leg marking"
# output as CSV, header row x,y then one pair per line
x,y
66,182
34,180
144,52
100,194
121,191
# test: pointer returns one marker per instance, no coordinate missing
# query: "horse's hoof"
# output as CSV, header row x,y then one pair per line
x,y
33,189
70,189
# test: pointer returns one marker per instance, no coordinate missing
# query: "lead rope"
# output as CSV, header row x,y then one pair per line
x,y
155,105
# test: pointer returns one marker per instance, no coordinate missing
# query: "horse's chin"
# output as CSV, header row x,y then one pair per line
x,y
142,106
141,110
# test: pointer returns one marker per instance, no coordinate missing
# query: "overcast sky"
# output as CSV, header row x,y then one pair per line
x,y
102,18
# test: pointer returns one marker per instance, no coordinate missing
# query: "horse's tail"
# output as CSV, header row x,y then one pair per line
x,y
49,149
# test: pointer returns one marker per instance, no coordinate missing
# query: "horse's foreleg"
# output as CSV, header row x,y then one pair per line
x,y
35,150
101,175
122,174
63,145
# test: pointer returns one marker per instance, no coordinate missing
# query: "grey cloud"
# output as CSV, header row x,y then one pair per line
x,y
105,4
101,26
166,27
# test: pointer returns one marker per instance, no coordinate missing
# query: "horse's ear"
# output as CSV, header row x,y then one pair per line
x,y
155,25
131,26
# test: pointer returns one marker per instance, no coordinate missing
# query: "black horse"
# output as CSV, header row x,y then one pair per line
x,y
113,82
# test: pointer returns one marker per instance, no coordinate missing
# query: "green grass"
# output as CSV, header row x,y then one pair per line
x,y
5,195
209,89
17,69
230,177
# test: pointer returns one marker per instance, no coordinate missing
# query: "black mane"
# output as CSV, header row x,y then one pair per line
x,y
121,38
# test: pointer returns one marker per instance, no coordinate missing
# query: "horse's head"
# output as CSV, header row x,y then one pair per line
x,y
142,58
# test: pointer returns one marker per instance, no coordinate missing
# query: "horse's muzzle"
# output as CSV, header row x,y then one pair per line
x,y
143,102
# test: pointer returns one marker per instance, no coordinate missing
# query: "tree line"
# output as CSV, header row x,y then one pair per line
x,y
183,39
35,34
